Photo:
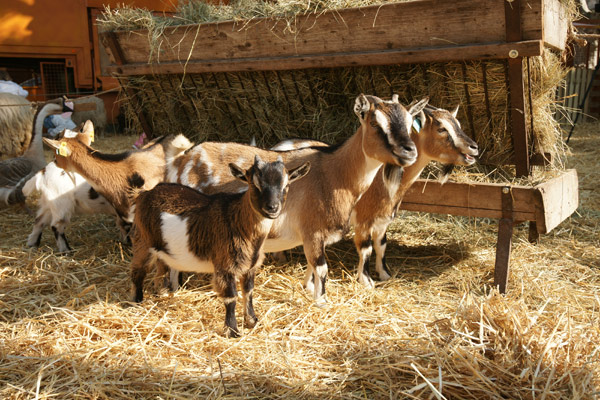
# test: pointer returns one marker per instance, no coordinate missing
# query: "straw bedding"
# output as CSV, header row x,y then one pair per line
x,y
434,331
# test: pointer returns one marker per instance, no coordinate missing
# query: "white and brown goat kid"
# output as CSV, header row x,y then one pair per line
x,y
318,208
63,196
439,139
114,176
180,228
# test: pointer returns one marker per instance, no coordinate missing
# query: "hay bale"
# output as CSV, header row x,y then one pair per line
x,y
16,123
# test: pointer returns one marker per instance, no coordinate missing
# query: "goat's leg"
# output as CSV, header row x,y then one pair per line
x,y
364,247
225,286
317,263
58,227
162,277
380,243
41,221
124,229
247,282
139,267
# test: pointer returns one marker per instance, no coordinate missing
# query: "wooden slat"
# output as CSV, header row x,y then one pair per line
x,y
557,199
548,204
384,57
425,24
468,199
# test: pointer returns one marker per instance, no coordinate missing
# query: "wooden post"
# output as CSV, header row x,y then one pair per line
x,y
503,246
512,17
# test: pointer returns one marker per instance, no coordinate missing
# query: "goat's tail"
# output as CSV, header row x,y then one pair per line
x,y
176,147
32,185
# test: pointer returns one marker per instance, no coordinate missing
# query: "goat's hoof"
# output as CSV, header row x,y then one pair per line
x,y
384,276
366,281
231,333
250,322
321,302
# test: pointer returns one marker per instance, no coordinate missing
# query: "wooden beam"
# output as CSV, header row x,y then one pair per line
x,y
379,57
482,200
547,204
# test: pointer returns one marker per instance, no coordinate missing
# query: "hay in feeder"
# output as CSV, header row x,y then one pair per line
x,y
316,103
433,331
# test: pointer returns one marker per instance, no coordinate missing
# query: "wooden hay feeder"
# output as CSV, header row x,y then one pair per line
x,y
427,31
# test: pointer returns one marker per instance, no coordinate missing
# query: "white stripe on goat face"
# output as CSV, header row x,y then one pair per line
x,y
383,122
175,235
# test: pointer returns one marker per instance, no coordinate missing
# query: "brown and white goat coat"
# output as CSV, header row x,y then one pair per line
x,y
63,196
114,176
318,209
440,139
182,229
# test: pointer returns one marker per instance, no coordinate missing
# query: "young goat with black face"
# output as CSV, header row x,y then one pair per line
x,y
184,230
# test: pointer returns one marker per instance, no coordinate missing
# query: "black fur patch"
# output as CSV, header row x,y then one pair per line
x,y
107,156
135,180
92,194
366,244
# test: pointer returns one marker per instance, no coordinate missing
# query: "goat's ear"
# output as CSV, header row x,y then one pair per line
x,y
299,172
87,136
418,106
395,98
361,106
61,148
455,111
237,172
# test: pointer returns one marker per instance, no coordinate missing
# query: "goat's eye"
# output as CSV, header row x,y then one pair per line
x,y
442,130
373,124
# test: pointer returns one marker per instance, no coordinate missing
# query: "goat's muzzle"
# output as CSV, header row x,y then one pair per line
x,y
405,154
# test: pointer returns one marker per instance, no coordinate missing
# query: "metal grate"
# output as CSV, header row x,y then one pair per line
x,y
54,79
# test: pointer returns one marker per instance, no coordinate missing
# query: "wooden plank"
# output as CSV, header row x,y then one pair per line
x,y
503,249
384,57
556,200
423,24
468,199
555,24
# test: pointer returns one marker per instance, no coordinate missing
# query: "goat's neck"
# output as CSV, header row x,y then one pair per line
x,y
249,221
412,172
107,177
357,169
35,151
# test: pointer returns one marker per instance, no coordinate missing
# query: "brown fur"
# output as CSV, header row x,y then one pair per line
x,y
113,176
378,206
318,209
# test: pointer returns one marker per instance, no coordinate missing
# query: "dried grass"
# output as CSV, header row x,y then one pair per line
x,y
315,103
433,331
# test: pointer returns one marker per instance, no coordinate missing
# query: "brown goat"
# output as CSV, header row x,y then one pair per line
x,y
114,176
440,139
182,229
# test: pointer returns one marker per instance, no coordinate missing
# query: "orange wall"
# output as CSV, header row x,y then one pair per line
x,y
58,29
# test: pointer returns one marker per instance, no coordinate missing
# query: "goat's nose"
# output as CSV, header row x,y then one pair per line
x,y
272,207
409,148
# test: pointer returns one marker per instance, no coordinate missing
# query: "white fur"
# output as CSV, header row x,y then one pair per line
x,y
61,198
175,235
